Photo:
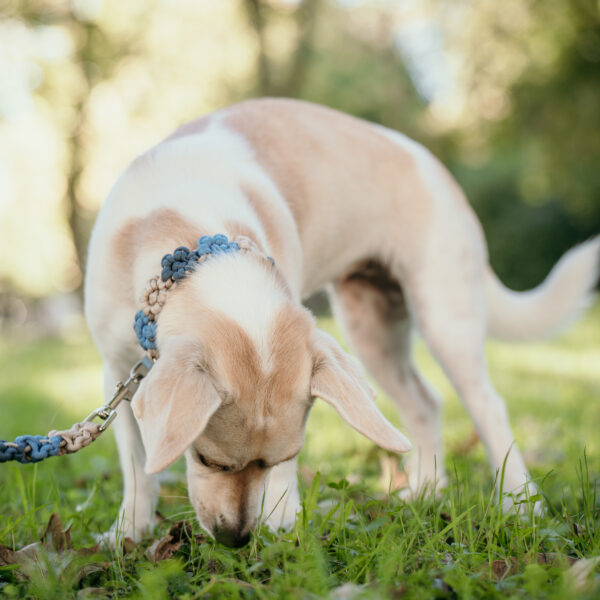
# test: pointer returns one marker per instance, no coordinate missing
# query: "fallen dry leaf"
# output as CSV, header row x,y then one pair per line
x,y
166,546
128,545
53,552
501,568
54,534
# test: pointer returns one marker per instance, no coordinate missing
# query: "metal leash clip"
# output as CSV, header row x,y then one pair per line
x,y
123,391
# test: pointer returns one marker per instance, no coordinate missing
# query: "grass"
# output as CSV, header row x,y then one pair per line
x,y
352,539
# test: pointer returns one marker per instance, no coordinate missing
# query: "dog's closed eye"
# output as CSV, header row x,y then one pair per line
x,y
212,465
260,463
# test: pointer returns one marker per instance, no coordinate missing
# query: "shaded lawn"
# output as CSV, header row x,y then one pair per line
x,y
350,531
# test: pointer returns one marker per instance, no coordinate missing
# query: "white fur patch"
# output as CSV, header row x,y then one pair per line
x,y
196,175
246,291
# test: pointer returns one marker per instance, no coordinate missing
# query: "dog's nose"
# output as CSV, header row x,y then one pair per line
x,y
232,537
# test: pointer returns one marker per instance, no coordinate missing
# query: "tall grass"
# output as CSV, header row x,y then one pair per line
x,y
352,538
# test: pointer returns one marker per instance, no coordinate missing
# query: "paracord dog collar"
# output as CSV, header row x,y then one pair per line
x,y
175,267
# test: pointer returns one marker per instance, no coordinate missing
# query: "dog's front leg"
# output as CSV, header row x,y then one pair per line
x,y
282,500
140,490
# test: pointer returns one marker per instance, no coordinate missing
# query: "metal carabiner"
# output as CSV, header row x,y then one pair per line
x,y
123,391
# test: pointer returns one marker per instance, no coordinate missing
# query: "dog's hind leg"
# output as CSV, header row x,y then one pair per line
x,y
140,490
369,304
446,295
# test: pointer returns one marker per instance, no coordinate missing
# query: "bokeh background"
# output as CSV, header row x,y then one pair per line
x,y
506,93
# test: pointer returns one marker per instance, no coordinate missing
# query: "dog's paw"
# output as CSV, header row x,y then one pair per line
x,y
110,540
123,534
282,513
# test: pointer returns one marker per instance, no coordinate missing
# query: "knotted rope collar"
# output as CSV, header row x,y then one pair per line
x,y
175,268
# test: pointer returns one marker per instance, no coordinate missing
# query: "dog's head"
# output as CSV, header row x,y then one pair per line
x,y
236,409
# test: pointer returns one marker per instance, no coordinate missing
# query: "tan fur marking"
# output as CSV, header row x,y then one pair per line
x,y
291,348
271,228
232,356
313,170
165,227
234,359
192,128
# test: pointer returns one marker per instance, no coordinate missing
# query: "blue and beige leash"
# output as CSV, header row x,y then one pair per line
x,y
175,267
34,448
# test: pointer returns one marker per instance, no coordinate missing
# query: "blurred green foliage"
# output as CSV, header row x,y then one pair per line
x,y
506,94
538,191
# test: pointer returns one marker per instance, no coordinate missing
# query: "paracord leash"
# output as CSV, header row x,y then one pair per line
x,y
34,448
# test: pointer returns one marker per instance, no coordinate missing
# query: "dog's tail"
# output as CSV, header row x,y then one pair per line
x,y
556,302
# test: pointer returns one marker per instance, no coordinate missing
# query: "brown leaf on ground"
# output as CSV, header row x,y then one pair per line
x,y
128,545
7,556
54,552
501,568
504,567
166,546
212,566
54,534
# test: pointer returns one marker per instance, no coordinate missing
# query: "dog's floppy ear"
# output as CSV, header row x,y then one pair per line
x,y
338,379
173,403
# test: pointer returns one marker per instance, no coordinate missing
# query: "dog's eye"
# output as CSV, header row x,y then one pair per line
x,y
212,465
201,459
261,464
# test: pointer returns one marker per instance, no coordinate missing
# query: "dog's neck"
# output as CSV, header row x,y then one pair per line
x,y
240,287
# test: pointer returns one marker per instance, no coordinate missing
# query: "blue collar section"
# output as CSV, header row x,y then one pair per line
x,y
183,260
175,267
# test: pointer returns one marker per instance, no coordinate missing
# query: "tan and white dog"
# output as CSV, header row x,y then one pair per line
x,y
337,202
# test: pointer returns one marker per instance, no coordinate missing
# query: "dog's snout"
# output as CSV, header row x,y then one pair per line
x,y
232,537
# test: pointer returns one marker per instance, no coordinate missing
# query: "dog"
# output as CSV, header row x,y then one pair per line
x,y
335,202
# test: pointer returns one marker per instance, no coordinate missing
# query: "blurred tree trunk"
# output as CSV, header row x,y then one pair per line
x,y
306,20
80,224
290,84
77,225
257,21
